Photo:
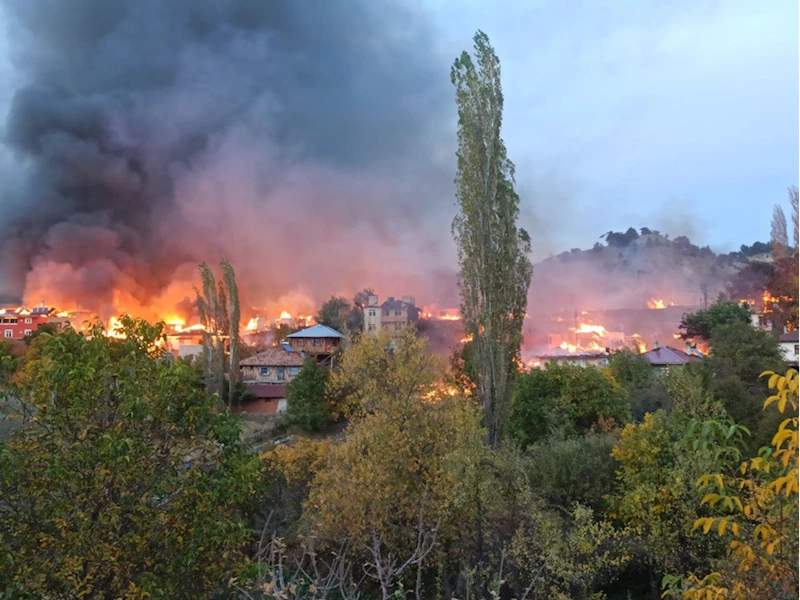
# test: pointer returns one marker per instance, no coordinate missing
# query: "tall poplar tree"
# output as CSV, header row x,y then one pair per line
x,y
495,271
233,325
218,307
778,233
793,202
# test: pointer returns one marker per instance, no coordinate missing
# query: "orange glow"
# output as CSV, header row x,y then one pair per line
x,y
285,315
252,324
114,329
449,318
466,339
438,391
655,303
586,328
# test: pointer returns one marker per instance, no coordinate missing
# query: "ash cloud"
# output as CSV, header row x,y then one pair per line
x,y
308,142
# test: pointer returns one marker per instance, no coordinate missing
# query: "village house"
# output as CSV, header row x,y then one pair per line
x,y
273,365
664,357
790,347
16,323
265,376
393,315
319,342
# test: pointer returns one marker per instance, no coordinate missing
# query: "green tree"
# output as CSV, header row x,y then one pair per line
x,y
124,481
564,397
702,323
8,361
305,397
534,406
739,354
646,391
656,497
335,313
494,268
565,471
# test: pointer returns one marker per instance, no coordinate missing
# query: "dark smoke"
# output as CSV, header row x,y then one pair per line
x,y
310,142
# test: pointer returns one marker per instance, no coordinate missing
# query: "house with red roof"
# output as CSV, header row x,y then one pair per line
x,y
266,376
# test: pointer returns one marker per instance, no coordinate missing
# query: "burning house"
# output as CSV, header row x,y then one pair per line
x,y
665,357
392,315
319,342
16,323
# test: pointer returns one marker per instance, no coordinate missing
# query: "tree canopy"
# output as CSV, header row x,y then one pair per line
x,y
114,484
495,271
701,324
305,397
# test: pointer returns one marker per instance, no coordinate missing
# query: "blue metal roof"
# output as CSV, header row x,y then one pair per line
x,y
317,331
286,347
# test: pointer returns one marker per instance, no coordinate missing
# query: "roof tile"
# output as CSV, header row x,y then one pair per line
x,y
273,357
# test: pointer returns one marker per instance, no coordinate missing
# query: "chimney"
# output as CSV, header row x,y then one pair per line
x,y
390,299
408,300
372,300
688,348
655,345
42,303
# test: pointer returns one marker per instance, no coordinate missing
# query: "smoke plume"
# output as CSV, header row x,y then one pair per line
x,y
308,142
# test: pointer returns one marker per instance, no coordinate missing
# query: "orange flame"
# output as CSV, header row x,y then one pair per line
x,y
655,303
586,328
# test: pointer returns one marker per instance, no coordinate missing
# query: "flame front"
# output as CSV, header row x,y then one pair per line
x,y
586,328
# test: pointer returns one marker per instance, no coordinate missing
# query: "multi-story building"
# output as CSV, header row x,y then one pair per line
x,y
393,315
318,341
16,323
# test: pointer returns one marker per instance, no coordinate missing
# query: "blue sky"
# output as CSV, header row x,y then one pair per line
x,y
681,116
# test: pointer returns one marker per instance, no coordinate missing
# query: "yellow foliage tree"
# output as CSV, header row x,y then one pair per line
x,y
382,369
759,505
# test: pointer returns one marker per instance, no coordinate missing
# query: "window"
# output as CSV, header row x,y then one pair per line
x,y
9,333
796,349
281,373
386,313
28,332
293,371
371,327
28,320
301,342
398,326
398,313
317,342
266,371
371,312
